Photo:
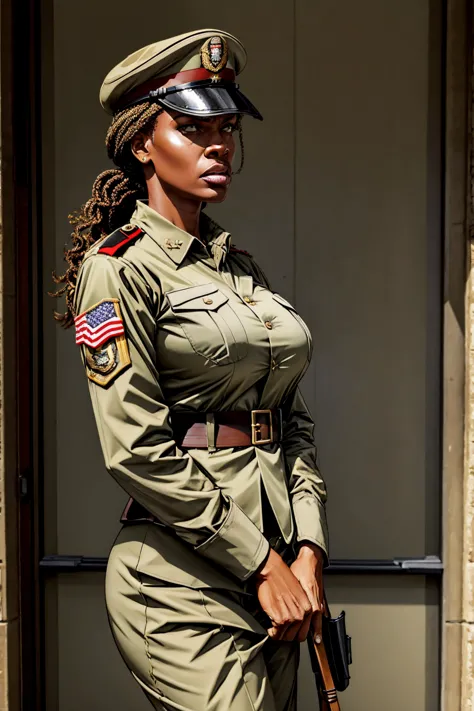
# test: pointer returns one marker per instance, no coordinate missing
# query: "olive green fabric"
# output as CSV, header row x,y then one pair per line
x,y
204,332
164,58
192,649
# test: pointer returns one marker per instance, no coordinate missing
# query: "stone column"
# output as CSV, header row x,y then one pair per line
x,y
458,410
466,621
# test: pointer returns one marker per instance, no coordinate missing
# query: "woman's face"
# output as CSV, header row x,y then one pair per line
x,y
192,157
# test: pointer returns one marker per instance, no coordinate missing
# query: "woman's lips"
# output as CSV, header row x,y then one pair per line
x,y
217,179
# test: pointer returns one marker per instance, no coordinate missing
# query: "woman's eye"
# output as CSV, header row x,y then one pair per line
x,y
189,128
230,128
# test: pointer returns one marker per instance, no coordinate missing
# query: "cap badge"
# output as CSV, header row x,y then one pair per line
x,y
214,54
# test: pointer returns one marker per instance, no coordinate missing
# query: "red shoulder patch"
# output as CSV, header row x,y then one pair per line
x,y
240,251
119,240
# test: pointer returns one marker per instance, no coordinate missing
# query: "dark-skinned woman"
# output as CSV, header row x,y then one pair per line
x,y
193,365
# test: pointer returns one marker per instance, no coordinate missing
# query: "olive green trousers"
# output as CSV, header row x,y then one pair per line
x,y
186,631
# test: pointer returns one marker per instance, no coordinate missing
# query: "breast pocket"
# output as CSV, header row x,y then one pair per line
x,y
283,302
210,323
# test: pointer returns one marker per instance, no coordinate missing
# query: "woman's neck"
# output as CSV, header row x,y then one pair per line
x,y
180,212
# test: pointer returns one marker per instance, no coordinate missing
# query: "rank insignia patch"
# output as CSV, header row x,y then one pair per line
x,y
214,54
100,330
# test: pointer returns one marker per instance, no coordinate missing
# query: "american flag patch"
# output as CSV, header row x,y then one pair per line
x,y
95,326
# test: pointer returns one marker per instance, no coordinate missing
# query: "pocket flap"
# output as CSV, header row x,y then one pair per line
x,y
283,302
204,297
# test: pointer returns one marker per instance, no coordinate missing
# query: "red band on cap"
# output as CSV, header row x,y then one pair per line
x,y
172,80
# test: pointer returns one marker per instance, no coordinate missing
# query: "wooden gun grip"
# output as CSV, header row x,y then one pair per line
x,y
328,694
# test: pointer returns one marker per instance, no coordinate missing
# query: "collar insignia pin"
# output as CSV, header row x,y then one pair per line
x,y
173,245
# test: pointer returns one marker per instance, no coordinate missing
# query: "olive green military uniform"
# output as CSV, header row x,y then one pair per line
x,y
202,332
169,324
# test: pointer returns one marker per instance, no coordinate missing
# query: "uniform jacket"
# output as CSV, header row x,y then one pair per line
x,y
203,331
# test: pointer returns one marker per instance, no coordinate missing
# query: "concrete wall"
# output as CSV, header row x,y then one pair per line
x,y
340,202
351,207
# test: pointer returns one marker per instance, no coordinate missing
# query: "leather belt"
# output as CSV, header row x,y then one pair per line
x,y
201,430
234,428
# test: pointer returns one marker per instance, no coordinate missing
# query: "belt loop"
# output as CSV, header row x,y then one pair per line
x,y
211,432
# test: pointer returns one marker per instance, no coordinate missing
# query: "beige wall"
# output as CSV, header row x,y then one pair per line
x,y
340,203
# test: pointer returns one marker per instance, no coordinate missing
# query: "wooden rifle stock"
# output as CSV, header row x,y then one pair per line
x,y
328,700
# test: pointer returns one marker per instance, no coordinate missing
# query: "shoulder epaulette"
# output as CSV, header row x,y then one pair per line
x,y
117,242
240,251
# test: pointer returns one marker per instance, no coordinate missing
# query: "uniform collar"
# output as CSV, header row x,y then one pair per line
x,y
175,242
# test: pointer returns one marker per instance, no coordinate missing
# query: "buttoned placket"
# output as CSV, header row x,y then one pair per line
x,y
249,300
219,245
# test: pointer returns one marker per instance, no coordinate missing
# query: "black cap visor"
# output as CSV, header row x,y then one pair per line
x,y
206,99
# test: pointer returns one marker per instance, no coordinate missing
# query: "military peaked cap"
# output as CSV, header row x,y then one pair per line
x,y
193,73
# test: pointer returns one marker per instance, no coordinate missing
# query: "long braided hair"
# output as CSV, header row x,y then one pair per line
x,y
114,194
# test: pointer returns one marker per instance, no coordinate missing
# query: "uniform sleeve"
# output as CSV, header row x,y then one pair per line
x,y
306,486
134,427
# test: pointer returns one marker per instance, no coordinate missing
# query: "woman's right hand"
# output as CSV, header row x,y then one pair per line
x,y
283,600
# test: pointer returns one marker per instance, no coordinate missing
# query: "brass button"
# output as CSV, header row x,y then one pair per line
x,y
208,301
269,325
249,300
128,228
274,364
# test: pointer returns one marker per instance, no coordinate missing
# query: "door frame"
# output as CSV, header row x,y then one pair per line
x,y
21,474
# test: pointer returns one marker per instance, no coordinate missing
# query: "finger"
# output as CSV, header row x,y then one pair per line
x,y
319,595
304,629
317,604
317,623
313,597
320,604
300,617
291,632
277,631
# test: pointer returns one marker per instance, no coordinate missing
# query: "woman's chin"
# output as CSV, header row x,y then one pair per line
x,y
215,194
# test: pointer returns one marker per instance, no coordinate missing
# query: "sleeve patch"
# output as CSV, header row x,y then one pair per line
x,y
101,332
99,323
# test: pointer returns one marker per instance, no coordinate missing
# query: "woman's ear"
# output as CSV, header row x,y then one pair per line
x,y
139,147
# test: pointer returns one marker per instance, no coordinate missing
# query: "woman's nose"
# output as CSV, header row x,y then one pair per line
x,y
216,150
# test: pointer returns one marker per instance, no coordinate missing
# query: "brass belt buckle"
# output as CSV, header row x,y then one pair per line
x,y
257,427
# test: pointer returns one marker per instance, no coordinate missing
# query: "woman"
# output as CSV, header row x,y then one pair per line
x,y
193,366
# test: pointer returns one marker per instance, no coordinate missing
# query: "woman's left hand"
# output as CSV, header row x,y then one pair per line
x,y
308,569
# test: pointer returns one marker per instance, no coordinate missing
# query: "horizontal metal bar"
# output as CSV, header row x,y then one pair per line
x,y
72,563
430,565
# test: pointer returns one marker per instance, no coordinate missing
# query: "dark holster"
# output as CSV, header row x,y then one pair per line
x,y
330,659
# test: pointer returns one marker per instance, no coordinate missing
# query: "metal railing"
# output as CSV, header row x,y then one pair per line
x,y
429,565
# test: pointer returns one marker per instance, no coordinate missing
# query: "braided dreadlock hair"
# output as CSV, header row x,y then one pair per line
x,y
114,194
